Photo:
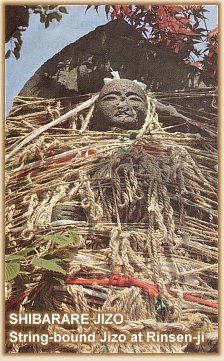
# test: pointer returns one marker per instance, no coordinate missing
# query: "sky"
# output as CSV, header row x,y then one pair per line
x,y
40,44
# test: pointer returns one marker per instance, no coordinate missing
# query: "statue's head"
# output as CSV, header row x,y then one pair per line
x,y
122,103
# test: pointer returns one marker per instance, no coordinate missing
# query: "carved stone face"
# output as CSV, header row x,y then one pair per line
x,y
122,104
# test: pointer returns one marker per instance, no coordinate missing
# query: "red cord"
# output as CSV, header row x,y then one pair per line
x,y
16,300
126,281
120,281
84,154
116,279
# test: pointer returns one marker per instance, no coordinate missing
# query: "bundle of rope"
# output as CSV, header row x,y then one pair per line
x,y
148,245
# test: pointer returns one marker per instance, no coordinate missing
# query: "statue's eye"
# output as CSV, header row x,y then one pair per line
x,y
110,97
135,98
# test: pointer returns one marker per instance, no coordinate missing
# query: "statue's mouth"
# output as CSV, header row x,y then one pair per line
x,y
124,120
124,114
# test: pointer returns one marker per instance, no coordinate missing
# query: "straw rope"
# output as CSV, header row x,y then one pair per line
x,y
150,209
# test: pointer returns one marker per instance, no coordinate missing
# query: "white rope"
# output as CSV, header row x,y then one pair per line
x,y
45,127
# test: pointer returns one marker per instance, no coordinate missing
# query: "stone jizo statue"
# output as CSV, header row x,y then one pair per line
x,y
122,103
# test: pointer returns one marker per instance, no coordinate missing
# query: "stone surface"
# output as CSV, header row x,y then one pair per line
x,y
122,103
81,66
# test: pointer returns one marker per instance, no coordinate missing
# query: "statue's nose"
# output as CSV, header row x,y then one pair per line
x,y
123,103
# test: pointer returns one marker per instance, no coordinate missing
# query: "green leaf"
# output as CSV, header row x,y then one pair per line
x,y
16,52
25,251
50,17
74,237
36,7
87,8
66,259
14,257
17,45
58,238
8,53
47,23
42,18
19,38
62,282
36,11
18,256
20,42
11,270
63,9
56,260
17,34
63,240
57,16
50,265
107,10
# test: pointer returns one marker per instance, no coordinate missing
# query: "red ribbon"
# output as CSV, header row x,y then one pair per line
x,y
120,281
